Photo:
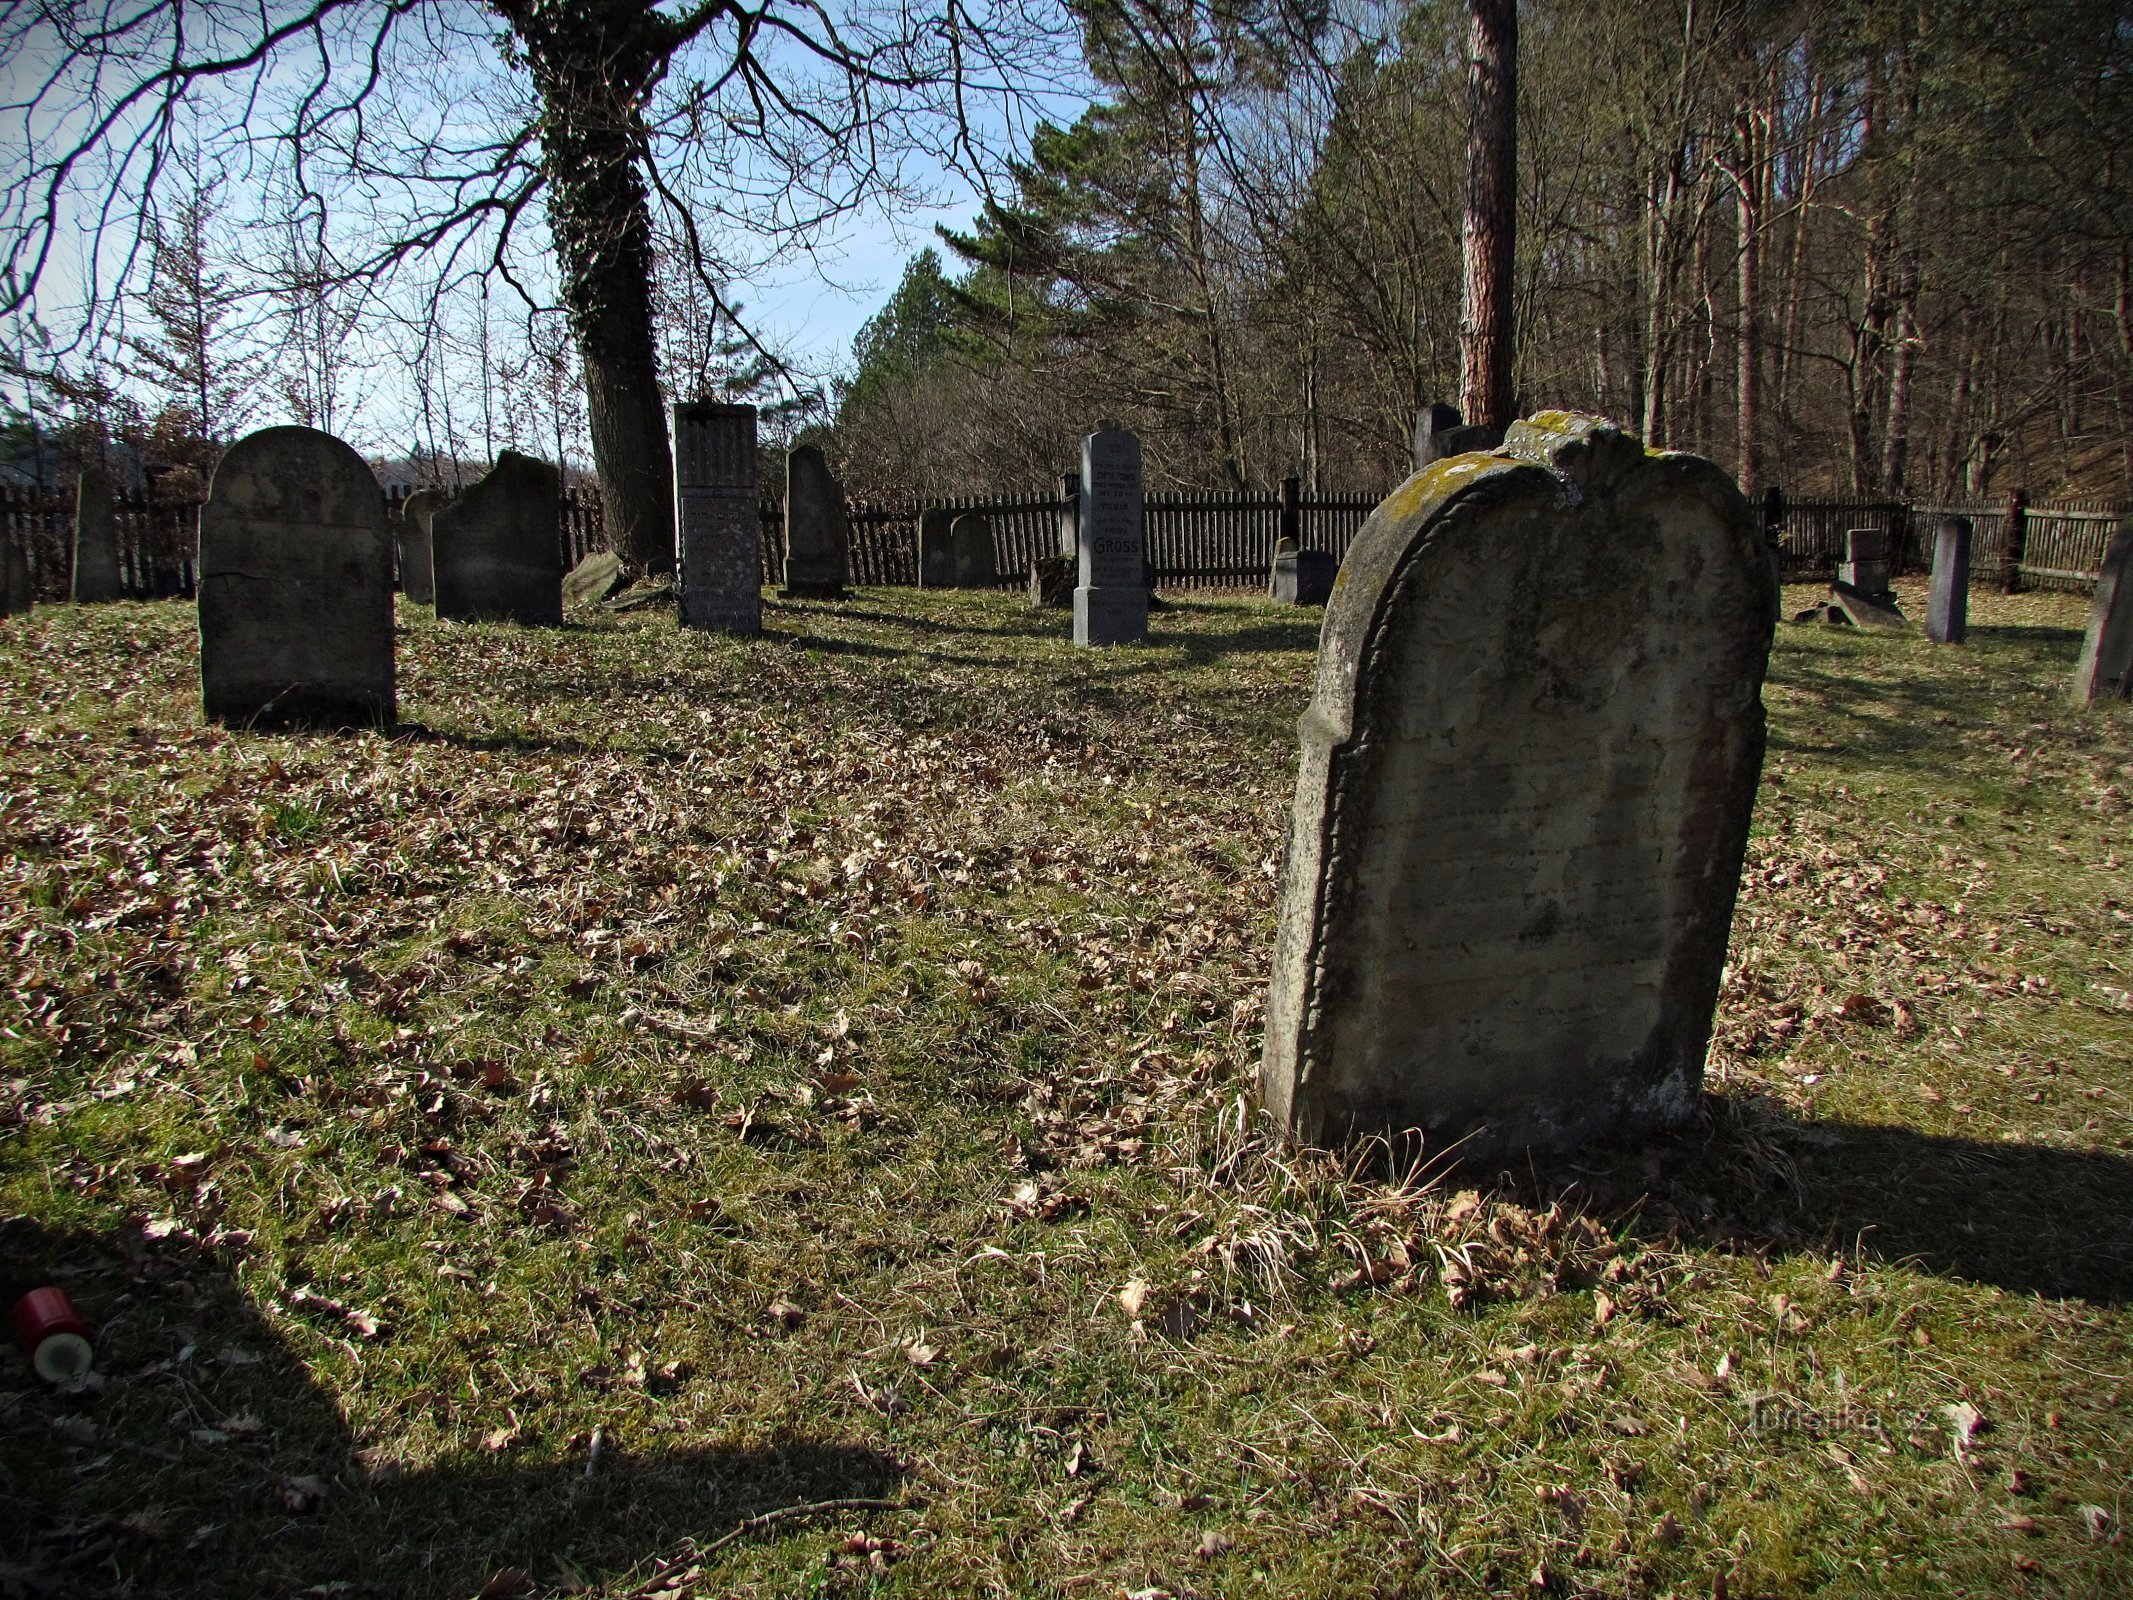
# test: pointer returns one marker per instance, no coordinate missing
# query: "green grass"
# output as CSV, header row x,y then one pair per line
x,y
786,1063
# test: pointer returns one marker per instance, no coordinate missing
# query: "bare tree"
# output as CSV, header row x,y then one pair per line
x,y
752,126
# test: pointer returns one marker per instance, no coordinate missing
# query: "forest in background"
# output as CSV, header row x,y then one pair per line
x,y
1862,248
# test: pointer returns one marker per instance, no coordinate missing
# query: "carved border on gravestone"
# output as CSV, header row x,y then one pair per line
x,y
295,585
718,538
1518,523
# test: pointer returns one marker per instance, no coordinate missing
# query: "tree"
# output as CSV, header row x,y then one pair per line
x,y
189,360
771,120
1485,345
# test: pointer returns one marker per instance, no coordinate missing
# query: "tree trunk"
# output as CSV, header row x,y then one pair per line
x,y
1485,333
591,61
1751,344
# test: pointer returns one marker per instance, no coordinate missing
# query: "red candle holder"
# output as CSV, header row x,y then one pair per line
x,y
53,1336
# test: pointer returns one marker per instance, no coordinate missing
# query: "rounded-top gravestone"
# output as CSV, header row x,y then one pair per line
x,y
418,579
1527,773
976,563
295,585
497,551
96,552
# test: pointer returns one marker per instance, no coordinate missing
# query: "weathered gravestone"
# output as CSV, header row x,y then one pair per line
x,y
1527,774
96,551
936,550
1070,515
1111,601
295,585
1302,577
1948,608
15,581
1051,583
2105,671
497,551
817,542
593,579
1440,434
970,537
718,530
418,572
1865,567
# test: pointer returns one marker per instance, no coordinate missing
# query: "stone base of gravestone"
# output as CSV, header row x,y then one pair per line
x,y
1948,604
295,585
1527,775
497,551
1305,577
1051,584
936,550
1110,616
976,562
418,573
96,553
592,580
2105,670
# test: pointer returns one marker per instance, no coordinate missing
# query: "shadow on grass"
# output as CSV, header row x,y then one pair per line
x,y
1750,1175
210,1464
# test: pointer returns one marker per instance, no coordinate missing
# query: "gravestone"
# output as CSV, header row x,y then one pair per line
x,y
817,542
717,529
1432,423
1302,577
1111,601
497,550
1865,567
1948,609
936,550
418,573
1051,584
970,538
15,582
96,552
593,579
2105,671
1070,515
1527,773
295,585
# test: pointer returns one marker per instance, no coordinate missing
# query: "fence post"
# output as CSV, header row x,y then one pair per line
x,y
1774,524
2017,540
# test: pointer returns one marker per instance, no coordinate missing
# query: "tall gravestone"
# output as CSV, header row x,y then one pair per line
x,y
1528,768
718,531
1111,601
96,551
817,541
976,562
1948,607
15,581
2105,670
936,550
1070,515
497,551
295,585
418,577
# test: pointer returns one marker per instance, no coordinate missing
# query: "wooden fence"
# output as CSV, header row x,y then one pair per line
x,y
2037,546
1195,540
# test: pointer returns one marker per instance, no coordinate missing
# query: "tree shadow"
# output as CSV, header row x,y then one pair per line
x,y
1748,1174
209,1463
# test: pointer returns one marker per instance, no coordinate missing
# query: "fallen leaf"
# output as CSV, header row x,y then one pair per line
x,y
1134,1296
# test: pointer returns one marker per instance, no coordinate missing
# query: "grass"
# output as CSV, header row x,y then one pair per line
x,y
671,1079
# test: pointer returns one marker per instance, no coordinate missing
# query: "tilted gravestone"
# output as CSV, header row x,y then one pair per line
x,y
295,585
497,550
1528,768
1948,608
96,551
817,541
2105,671
1111,601
1051,583
1302,577
418,573
718,531
593,579
976,565
936,550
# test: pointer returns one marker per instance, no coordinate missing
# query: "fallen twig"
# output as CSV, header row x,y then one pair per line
x,y
761,1521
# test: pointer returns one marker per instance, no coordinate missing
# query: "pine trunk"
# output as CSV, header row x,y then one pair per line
x,y
1485,339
